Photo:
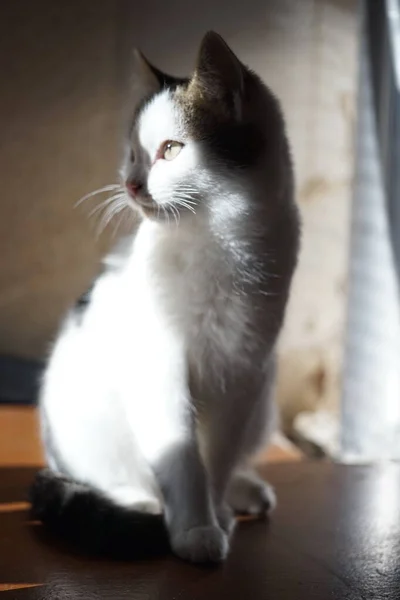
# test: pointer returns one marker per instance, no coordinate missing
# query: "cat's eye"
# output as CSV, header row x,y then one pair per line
x,y
171,150
132,156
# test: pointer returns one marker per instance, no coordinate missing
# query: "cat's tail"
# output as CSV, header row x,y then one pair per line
x,y
85,518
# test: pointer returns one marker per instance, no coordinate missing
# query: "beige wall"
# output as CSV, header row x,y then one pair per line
x,y
58,116
60,113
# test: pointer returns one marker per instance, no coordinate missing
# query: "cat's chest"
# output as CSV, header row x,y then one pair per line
x,y
192,272
194,280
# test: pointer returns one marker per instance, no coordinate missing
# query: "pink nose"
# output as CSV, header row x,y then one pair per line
x,y
133,187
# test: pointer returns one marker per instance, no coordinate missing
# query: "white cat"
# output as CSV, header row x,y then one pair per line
x,y
158,391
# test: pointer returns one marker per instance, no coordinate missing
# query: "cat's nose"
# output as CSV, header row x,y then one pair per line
x,y
133,187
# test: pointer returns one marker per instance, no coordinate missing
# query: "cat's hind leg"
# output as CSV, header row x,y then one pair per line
x,y
248,494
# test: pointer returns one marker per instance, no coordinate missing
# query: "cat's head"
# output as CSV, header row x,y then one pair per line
x,y
191,137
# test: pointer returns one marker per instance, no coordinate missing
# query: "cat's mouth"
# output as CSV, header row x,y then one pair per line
x,y
146,205
150,209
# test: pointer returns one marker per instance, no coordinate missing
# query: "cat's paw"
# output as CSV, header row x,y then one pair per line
x,y
207,544
250,495
226,519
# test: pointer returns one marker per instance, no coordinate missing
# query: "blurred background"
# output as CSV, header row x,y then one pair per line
x,y
335,66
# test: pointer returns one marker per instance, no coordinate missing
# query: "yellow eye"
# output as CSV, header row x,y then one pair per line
x,y
171,150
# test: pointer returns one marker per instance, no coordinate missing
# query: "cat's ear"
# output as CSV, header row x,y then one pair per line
x,y
149,78
146,78
219,73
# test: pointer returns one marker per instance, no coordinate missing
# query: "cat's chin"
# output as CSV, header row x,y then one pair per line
x,y
147,208
149,212
154,213
160,213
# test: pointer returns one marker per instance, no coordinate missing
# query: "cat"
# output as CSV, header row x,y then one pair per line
x,y
159,388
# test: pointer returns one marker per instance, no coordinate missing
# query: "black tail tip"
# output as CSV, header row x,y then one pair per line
x,y
47,490
91,523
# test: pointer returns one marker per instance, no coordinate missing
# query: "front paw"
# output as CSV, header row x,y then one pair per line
x,y
208,544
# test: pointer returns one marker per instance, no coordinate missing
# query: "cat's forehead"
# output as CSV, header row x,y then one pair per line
x,y
160,120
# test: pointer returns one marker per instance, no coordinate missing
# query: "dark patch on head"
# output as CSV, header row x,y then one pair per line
x,y
239,141
238,144
169,81
227,107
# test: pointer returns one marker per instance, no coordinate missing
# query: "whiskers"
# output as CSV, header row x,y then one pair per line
x,y
185,202
169,207
183,197
109,208
105,188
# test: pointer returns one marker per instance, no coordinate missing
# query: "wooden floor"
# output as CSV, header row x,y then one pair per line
x,y
335,535
19,437
20,440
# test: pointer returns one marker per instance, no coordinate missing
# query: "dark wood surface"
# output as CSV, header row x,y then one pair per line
x,y
334,536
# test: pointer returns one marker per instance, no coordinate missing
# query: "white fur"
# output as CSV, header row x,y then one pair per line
x,y
116,380
117,396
